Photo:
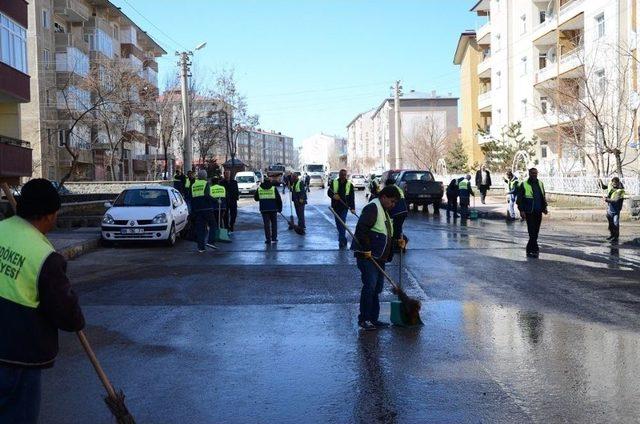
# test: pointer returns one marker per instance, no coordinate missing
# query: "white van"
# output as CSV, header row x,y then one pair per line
x,y
247,182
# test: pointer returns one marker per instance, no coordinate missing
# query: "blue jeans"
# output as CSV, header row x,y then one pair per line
x,y
372,281
342,236
204,219
19,395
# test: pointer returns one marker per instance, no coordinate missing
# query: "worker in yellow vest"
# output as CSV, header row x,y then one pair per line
x,y
36,300
342,200
270,206
219,201
614,200
532,203
202,209
299,198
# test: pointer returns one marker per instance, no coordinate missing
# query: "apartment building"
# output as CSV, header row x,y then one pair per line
x,y
534,55
258,149
67,40
15,155
372,134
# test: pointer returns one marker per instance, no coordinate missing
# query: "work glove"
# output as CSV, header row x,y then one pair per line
x,y
367,254
301,201
353,211
336,197
402,244
546,212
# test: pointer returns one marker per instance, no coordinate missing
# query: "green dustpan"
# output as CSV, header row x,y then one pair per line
x,y
399,317
222,235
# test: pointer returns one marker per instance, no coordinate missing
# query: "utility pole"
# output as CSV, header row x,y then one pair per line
x,y
184,64
398,133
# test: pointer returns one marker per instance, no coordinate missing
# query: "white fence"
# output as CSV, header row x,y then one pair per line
x,y
568,185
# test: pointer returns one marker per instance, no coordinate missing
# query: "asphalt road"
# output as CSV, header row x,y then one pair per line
x,y
268,334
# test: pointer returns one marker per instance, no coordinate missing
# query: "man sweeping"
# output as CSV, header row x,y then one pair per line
x,y
36,300
342,201
299,199
373,242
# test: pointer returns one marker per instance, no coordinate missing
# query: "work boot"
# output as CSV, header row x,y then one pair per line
x,y
611,237
381,324
212,246
367,325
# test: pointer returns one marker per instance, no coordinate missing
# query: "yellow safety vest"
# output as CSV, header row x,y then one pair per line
x,y
336,187
528,189
296,187
218,191
198,187
463,185
23,250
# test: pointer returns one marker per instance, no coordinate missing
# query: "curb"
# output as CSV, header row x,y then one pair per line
x,y
80,249
560,216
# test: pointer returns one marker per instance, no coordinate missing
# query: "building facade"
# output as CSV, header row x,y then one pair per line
x,y
422,116
69,40
553,66
468,55
258,149
15,155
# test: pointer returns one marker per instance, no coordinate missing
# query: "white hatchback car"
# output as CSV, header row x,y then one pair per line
x,y
359,182
152,212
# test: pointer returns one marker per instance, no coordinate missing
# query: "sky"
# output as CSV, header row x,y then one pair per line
x,y
310,66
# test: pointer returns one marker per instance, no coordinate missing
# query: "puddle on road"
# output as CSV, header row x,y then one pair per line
x,y
583,371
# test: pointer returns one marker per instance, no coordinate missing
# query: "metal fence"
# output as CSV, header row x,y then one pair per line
x,y
568,185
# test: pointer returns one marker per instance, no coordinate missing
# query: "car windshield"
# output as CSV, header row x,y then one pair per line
x,y
315,168
357,176
417,176
315,177
246,179
143,197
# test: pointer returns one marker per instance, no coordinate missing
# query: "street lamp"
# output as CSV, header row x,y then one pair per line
x,y
184,64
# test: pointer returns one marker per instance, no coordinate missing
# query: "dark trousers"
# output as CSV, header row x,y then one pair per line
x,y
19,395
534,219
464,206
483,193
205,219
614,225
452,206
231,215
300,214
342,233
398,222
372,281
270,221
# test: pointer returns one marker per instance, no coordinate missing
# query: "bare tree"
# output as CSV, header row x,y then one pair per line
x,y
593,113
427,144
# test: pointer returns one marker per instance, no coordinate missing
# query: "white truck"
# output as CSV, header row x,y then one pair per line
x,y
316,172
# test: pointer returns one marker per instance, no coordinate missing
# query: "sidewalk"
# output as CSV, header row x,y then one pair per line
x,y
496,208
75,242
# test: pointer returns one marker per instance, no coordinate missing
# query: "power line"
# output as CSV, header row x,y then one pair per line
x,y
177,43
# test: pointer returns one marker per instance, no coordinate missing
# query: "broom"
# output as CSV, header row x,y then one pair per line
x,y
114,400
298,229
411,306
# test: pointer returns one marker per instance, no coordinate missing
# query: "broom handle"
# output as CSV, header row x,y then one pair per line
x,y
10,198
393,283
347,206
96,365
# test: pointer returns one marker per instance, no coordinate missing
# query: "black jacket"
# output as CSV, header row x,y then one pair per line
x,y
202,203
479,179
31,340
179,182
367,220
266,186
233,192
350,200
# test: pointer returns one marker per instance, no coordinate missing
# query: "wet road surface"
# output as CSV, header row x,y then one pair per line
x,y
261,334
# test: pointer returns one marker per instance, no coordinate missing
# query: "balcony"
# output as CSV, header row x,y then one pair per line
x,y
571,61
139,165
72,10
65,40
547,73
84,156
14,85
570,9
150,76
484,68
483,34
484,102
15,158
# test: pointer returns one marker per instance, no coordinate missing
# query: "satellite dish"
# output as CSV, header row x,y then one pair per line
x,y
552,54
551,7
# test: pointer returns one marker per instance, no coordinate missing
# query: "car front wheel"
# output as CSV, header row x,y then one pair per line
x,y
171,240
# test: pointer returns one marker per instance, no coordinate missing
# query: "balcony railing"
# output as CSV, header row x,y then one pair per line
x,y
546,73
15,158
483,31
73,10
569,7
484,100
67,39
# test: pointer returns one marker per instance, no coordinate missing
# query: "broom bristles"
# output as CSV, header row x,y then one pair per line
x,y
119,409
410,306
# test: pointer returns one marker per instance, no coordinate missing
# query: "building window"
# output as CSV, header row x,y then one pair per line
x,y
57,28
46,57
49,136
544,105
62,137
543,16
523,18
600,27
543,150
523,64
13,44
45,19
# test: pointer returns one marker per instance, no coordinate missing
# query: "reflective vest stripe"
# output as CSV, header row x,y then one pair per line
x,y
616,193
381,220
23,250
336,187
198,187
